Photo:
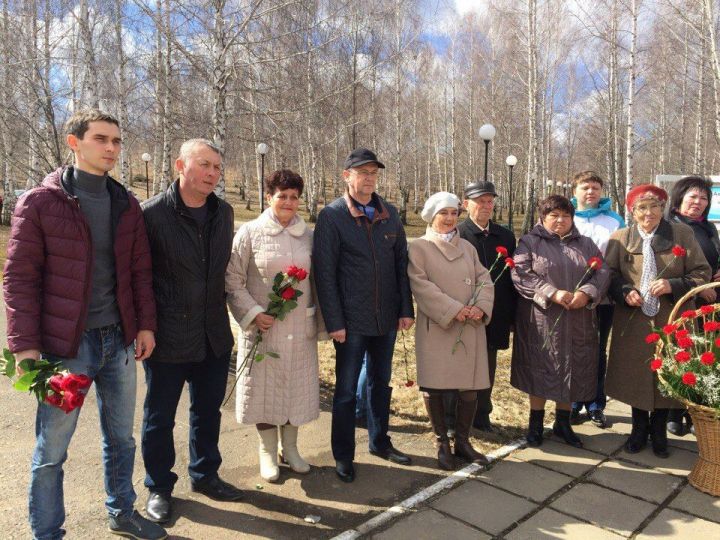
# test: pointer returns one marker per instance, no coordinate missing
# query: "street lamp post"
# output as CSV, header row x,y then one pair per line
x,y
487,134
146,158
262,149
510,161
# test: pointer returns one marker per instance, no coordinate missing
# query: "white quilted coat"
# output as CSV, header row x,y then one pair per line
x,y
285,389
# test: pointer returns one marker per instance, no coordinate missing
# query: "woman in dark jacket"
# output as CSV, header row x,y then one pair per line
x,y
556,361
690,200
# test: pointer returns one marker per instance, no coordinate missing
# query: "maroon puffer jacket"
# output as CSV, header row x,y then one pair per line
x,y
48,280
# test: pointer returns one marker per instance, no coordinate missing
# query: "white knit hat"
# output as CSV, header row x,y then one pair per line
x,y
438,201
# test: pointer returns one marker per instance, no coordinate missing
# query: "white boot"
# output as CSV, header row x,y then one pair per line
x,y
269,469
290,452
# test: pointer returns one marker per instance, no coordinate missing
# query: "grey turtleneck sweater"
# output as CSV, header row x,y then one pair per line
x,y
92,192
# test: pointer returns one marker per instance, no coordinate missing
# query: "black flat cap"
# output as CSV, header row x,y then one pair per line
x,y
361,156
476,189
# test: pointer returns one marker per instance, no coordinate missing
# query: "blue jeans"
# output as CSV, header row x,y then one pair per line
x,y
165,381
103,357
605,317
362,395
348,361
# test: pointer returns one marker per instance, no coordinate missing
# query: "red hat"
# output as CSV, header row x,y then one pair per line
x,y
642,189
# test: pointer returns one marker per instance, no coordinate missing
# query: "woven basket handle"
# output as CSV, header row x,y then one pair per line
x,y
688,295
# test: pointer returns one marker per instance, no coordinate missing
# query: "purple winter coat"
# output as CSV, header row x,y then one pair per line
x,y
565,368
47,281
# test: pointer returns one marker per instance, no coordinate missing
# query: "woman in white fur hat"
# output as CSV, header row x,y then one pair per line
x,y
445,275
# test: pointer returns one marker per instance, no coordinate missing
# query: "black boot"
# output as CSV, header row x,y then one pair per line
x,y
658,435
563,429
466,405
534,435
436,412
675,422
639,434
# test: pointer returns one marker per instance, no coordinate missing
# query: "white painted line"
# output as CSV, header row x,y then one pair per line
x,y
441,485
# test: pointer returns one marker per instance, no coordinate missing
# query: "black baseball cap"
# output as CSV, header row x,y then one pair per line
x,y
476,189
361,156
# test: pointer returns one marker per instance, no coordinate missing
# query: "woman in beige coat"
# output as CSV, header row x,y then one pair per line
x,y
277,392
644,295
444,272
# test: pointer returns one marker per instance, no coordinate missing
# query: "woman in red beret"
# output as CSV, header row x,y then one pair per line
x,y
649,274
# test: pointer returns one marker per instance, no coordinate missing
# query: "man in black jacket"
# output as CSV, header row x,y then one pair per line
x,y
360,269
486,236
190,231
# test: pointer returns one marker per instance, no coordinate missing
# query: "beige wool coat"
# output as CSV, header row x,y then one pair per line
x,y
629,378
443,276
284,389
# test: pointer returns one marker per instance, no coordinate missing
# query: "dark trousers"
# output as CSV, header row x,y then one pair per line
x,y
484,406
207,381
605,317
348,361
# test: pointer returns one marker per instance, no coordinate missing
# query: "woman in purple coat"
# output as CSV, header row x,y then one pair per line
x,y
556,361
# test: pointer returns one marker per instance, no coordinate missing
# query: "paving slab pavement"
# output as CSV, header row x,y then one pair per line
x,y
556,491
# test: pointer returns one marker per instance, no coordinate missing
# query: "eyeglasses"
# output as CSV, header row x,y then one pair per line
x,y
647,208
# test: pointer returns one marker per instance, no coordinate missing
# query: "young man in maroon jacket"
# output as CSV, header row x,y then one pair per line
x,y
78,289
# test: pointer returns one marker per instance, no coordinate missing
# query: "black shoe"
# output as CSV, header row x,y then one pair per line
x,y
361,422
640,430
158,507
597,417
345,470
575,417
392,454
676,428
217,489
658,433
562,429
133,525
534,435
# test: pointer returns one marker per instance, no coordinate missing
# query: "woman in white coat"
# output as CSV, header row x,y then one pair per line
x,y
277,394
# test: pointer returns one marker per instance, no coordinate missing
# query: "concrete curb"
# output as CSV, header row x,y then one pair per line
x,y
410,503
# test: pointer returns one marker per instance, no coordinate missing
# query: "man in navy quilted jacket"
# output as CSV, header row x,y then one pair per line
x,y
360,269
78,289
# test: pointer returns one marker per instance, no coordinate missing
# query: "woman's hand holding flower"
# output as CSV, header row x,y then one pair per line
x,y
660,287
264,321
562,298
633,299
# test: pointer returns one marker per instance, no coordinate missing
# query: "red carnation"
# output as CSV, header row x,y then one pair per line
x,y
689,378
656,364
54,399
73,400
689,314
685,342
681,333
300,274
682,357
409,383
287,293
292,271
509,262
679,251
711,326
707,358
595,263
652,338
707,310
501,251
669,329
717,342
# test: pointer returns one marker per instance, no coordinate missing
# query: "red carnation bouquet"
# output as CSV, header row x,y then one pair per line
x,y
593,264
283,299
502,255
688,357
48,381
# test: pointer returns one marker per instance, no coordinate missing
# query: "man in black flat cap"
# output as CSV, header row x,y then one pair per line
x,y
360,267
486,236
